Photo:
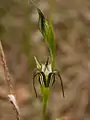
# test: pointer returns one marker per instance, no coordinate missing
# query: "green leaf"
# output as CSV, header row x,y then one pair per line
x,y
47,31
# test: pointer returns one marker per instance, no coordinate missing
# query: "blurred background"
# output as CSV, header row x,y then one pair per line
x,y
22,40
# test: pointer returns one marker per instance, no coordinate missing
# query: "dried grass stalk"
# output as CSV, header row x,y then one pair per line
x,y
8,79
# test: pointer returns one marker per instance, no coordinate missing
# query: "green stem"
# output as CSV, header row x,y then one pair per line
x,y
44,110
45,95
52,6
53,61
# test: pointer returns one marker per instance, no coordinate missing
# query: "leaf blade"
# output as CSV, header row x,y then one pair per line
x,y
47,31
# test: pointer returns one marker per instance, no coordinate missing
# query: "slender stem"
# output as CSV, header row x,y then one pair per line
x,y
7,74
45,96
44,109
8,79
51,9
53,61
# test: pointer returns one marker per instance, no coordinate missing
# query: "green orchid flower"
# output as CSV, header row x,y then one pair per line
x,y
46,75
